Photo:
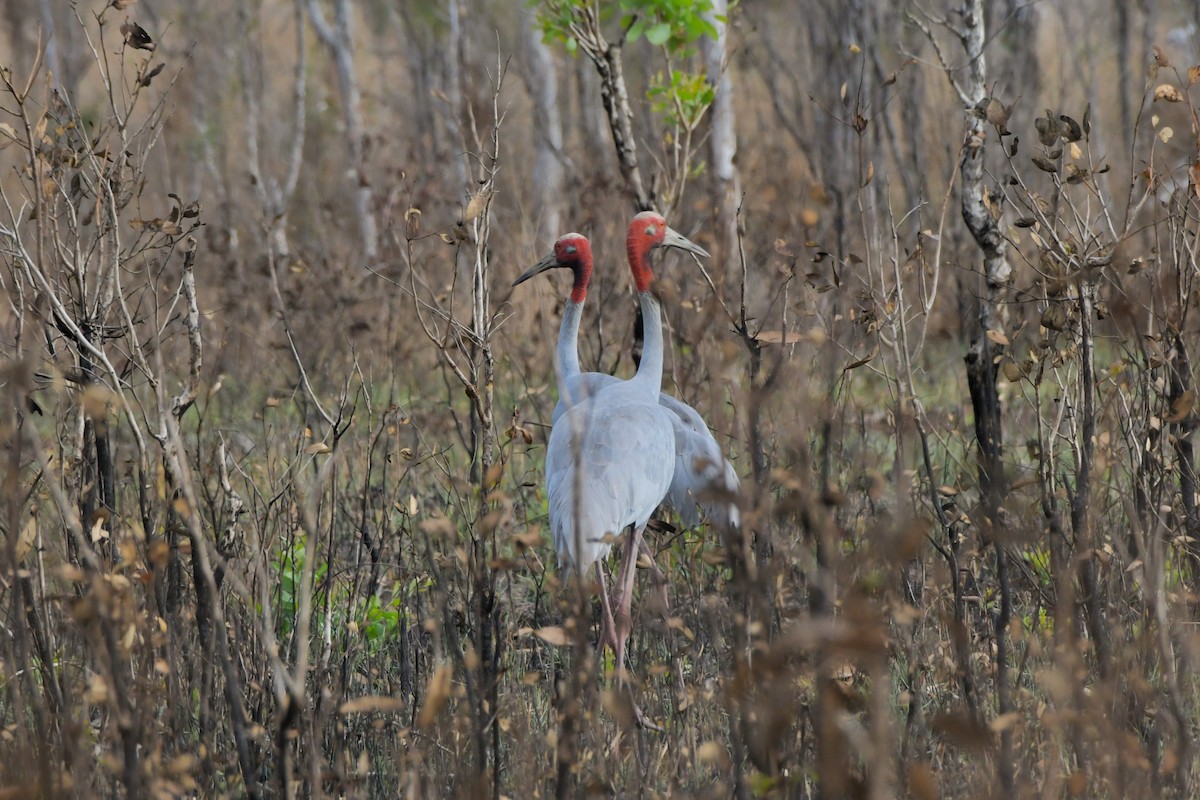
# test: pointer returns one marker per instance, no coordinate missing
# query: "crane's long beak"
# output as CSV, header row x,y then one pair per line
x,y
673,238
549,262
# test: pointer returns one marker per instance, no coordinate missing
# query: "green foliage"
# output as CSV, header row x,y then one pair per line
x,y
382,619
289,568
673,23
683,99
1038,560
680,97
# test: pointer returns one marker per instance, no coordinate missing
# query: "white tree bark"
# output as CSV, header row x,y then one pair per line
x,y
454,92
986,230
274,194
723,138
548,172
589,119
340,42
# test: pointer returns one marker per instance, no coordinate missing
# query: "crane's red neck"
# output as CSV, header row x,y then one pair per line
x,y
645,232
583,274
575,251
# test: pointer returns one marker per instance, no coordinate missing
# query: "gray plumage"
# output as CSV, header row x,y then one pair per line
x,y
626,458
703,482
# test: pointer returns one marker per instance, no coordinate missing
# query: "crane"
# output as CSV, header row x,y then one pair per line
x,y
704,483
610,459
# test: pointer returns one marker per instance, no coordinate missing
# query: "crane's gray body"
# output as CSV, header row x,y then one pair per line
x,y
611,455
703,480
622,445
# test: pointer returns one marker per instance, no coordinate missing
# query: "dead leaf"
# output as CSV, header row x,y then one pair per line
x,y
136,36
553,634
531,538
1048,129
779,337
1165,134
1181,407
712,752
317,448
962,731
1167,92
1072,131
370,703
1193,75
477,205
26,538
922,783
96,692
860,362
412,223
1044,164
998,337
438,526
436,695
492,478
996,114
152,74
619,706
1005,721
186,763
1054,317
523,432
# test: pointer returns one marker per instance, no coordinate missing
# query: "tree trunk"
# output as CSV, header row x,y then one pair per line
x,y
727,187
548,173
982,357
340,42
984,354
454,96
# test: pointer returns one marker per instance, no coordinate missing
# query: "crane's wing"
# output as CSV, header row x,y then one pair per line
x,y
578,388
625,457
704,481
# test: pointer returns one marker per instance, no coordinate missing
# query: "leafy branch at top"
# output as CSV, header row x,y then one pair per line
x,y
679,96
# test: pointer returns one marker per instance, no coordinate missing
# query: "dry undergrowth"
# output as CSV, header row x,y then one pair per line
x,y
273,524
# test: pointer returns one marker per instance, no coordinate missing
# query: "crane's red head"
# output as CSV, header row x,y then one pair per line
x,y
573,252
646,231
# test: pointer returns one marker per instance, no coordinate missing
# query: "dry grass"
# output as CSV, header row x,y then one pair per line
x,y
285,535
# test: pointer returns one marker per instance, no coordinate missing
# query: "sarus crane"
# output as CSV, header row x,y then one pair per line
x,y
611,455
704,483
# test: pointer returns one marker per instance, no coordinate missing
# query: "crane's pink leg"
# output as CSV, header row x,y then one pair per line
x,y
659,577
623,615
661,580
608,628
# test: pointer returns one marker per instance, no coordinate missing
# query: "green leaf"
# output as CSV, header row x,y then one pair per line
x,y
635,32
572,45
658,34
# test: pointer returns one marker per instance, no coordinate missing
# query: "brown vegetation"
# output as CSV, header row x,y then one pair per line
x,y
273,421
